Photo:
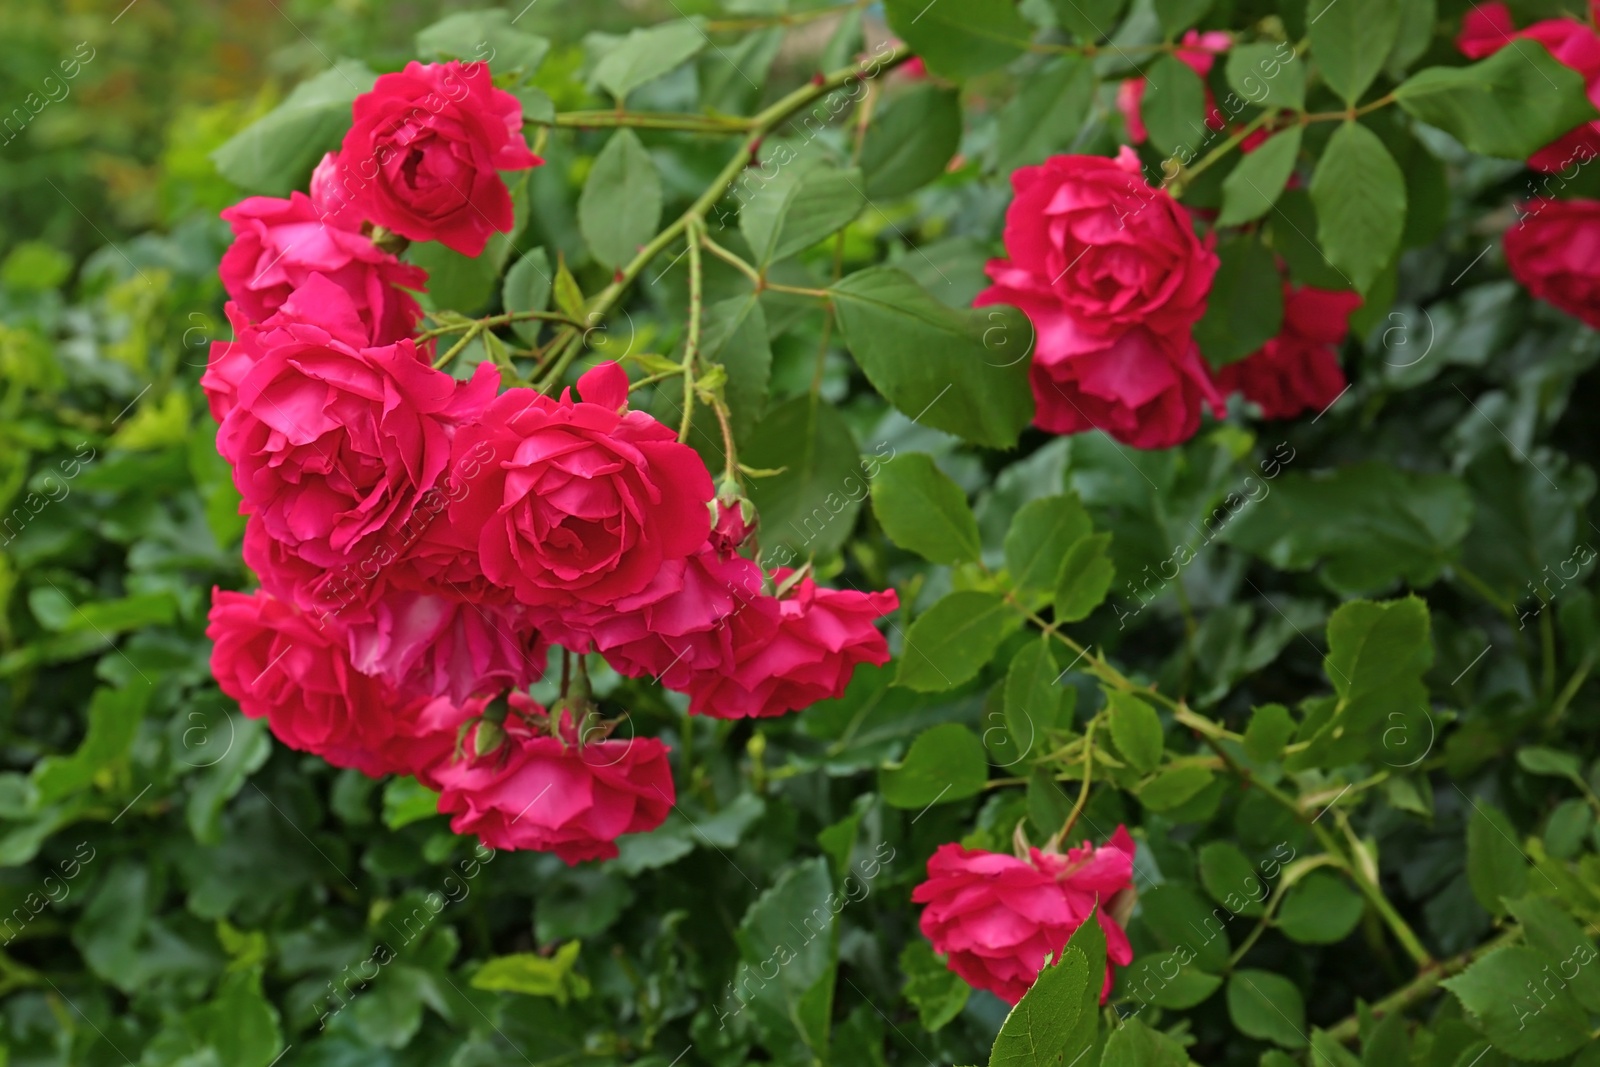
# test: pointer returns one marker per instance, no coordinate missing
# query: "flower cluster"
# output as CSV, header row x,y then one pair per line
x,y
1111,273
424,542
1551,248
997,917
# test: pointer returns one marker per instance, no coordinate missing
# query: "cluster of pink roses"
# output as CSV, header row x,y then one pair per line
x,y
1554,247
423,542
1114,278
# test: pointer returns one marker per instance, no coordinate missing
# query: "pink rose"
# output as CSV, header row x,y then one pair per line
x,y
317,303
676,628
1298,370
995,917
1554,251
789,653
424,154
281,665
1199,53
278,244
426,645
580,502
564,794
1112,276
333,446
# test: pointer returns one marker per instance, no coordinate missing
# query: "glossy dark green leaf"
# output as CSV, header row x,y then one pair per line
x,y
1267,1006
944,764
1350,40
1252,187
922,510
953,640
1360,194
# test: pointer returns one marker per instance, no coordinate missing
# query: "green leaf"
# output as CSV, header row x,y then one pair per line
x,y
405,800
1561,940
1032,699
945,763
951,641
1252,187
810,506
1174,105
276,153
910,142
1084,579
799,207
1176,16
940,366
1328,1051
527,288
1496,994
1360,195
1551,762
734,336
1350,40
1566,828
1268,75
1231,879
1267,1006
789,951
114,717
1389,1042
1496,867
1136,728
1245,308
1370,525
1509,105
530,974
237,1026
1040,536
647,54
922,510
1183,921
1170,979
455,282
1046,114
1133,1044
1173,786
1050,1016
620,207
1270,729
1092,20
937,992
488,36
1319,910
962,39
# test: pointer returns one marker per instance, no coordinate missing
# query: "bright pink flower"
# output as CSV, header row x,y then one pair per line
x,y
789,653
1199,53
278,244
328,196
996,918
333,446
1298,370
1554,251
578,503
553,793
1113,277
284,666
428,645
424,155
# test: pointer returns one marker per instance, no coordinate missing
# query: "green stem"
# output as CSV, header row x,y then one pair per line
x,y
1547,654
1083,790
1422,985
1568,691
647,120
1184,176
466,339
691,344
498,320
744,266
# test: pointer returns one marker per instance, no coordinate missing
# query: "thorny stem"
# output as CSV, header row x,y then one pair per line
x,y
497,320
1083,790
691,345
466,339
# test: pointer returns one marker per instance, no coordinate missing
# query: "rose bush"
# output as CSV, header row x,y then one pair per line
x,y
1047,533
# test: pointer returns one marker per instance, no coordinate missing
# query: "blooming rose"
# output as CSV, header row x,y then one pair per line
x,y
1487,28
321,307
996,917
1554,251
1112,276
284,666
1199,53
427,645
789,653
333,445
581,502
1298,370
424,154
553,793
278,244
